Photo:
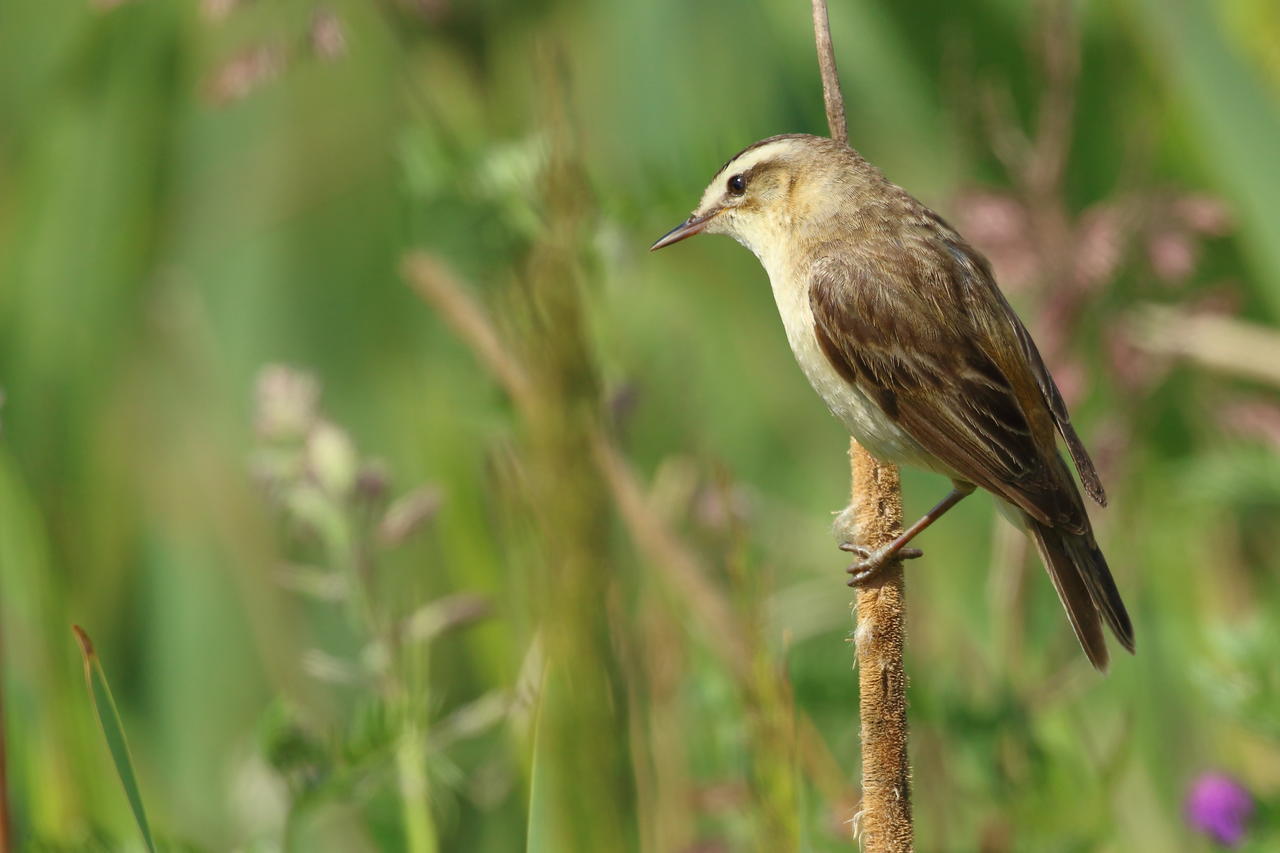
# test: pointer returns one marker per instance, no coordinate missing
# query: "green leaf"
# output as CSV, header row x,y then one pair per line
x,y
113,730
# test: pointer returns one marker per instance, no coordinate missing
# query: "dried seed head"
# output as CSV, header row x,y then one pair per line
x,y
331,459
328,37
996,224
1203,213
1257,419
373,480
1100,236
408,515
240,75
285,402
217,11
1172,253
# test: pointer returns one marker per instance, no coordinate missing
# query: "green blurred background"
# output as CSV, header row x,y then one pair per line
x,y
612,616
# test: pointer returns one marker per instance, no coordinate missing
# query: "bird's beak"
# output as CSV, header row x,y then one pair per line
x,y
693,225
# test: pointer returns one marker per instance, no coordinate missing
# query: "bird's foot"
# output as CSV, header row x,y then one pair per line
x,y
873,562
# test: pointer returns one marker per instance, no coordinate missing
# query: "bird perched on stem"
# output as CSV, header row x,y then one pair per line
x,y
899,326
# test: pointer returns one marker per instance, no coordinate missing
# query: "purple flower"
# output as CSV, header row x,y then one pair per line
x,y
1219,806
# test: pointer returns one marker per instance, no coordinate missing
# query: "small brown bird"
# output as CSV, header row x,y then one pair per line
x,y
899,326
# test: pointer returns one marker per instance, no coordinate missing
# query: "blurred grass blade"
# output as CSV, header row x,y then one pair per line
x,y
541,834
1232,114
113,730
538,838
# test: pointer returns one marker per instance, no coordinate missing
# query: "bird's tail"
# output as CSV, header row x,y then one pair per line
x,y
1080,575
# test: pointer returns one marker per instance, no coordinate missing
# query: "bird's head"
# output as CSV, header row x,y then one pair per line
x,y
767,191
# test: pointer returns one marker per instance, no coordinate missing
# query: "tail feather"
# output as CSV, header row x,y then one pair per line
x,y
1102,587
1088,592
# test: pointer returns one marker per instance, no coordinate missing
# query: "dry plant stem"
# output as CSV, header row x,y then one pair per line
x,y
832,98
678,564
884,822
1222,344
885,818
439,286
683,571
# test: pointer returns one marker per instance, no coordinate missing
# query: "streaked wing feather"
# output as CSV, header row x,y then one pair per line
x,y
1084,464
936,377
972,267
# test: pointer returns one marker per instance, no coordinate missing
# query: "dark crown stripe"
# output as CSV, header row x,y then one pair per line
x,y
763,142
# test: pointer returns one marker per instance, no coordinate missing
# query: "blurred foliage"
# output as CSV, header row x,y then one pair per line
x,y
191,191
113,732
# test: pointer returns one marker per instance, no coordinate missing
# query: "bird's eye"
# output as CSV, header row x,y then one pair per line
x,y
737,185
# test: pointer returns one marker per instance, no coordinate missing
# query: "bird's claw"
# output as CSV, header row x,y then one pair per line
x,y
873,562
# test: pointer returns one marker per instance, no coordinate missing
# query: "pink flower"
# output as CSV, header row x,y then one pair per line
x,y
1219,806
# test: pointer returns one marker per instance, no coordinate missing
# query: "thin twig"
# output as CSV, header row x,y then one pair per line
x,y
884,822
831,95
677,563
1059,47
685,572
438,285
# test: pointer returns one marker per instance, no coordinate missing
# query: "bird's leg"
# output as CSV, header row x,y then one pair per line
x,y
873,561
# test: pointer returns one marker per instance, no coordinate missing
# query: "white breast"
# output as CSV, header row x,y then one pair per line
x,y
859,414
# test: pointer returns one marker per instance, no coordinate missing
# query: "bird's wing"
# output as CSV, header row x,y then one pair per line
x,y
977,271
910,329
1057,406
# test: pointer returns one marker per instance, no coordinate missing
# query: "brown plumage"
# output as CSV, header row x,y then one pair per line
x,y
899,325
